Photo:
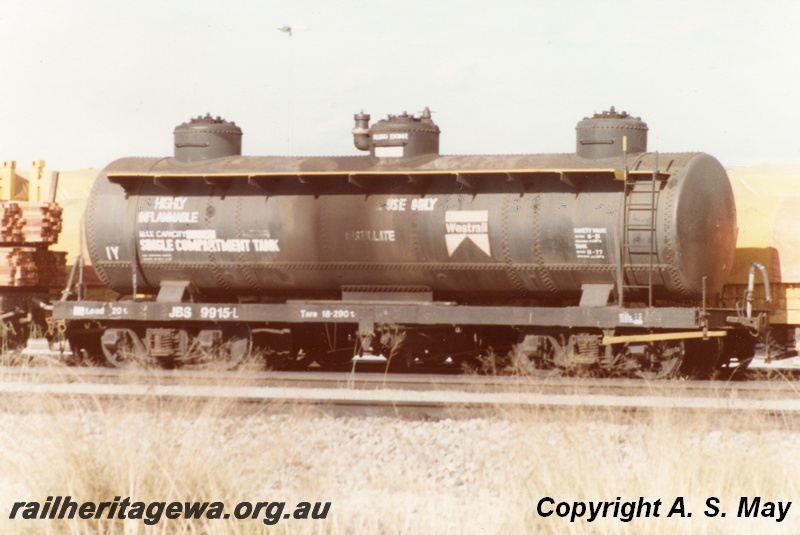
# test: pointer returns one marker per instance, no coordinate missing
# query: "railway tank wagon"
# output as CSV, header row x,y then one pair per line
x,y
610,256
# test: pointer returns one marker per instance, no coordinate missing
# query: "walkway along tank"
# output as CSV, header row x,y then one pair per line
x,y
608,257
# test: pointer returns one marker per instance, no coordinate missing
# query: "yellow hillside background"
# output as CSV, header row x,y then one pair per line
x,y
768,215
73,191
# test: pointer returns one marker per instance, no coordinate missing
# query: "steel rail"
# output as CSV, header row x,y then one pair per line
x,y
402,392
401,399
367,377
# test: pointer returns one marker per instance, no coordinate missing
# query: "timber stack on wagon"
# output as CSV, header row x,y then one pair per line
x,y
27,229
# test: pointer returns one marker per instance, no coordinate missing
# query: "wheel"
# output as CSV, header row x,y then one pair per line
x,y
537,353
660,360
122,348
738,346
274,345
222,347
216,347
235,348
702,358
84,342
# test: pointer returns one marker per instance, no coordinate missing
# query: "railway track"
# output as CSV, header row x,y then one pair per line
x,y
364,391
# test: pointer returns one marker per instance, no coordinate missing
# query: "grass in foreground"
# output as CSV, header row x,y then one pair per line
x,y
381,475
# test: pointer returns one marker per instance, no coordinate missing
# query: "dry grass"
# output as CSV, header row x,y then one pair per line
x,y
596,456
151,452
388,476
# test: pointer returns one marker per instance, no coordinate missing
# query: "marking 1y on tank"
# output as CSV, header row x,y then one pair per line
x,y
112,252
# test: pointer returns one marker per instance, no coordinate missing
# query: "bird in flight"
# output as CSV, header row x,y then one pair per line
x,y
286,28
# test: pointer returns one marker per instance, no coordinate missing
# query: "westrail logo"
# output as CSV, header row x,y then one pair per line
x,y
461,225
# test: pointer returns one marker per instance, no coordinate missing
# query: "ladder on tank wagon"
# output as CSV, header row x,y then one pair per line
x,y
639,217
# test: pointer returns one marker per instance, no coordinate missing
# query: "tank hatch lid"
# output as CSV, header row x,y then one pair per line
x,y
206,138
208,121
604,135
612,113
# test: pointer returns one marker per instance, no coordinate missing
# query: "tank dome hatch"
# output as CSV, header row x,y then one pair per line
x,y
207,138
397,136
600,136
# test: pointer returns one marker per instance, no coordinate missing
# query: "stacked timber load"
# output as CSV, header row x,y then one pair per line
x,y
29,223
27,229
28,266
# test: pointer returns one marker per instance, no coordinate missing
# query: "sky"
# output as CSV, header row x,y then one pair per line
x,y
88,81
